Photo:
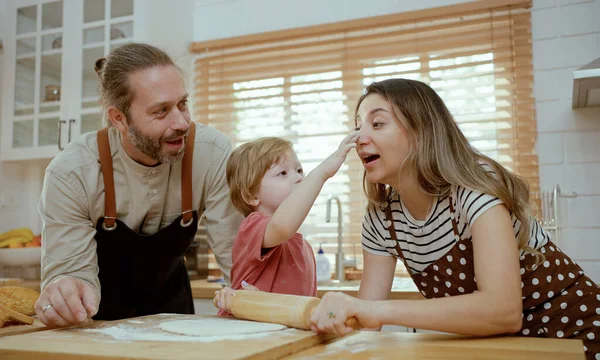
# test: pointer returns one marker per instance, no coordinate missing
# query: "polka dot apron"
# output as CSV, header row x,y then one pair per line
x,y
559,301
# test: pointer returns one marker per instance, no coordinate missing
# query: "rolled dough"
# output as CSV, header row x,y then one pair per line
x,y
218,327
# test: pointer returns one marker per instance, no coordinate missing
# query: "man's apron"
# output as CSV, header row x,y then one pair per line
x,y
144,274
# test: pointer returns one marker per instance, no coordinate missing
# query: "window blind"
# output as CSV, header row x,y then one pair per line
x,y
303,84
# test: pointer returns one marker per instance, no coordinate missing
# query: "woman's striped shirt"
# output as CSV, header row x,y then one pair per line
x,y
423,242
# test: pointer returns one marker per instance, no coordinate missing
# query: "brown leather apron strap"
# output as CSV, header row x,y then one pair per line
x,y
392,230
110,207
453,218
186,177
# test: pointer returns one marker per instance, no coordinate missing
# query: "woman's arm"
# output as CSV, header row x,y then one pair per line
x,y
495,309
377,276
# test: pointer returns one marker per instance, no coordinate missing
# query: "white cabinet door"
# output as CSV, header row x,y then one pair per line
x,y
102,26
51,46
33,119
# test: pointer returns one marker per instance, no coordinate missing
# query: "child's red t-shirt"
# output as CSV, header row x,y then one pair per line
x,y
288,268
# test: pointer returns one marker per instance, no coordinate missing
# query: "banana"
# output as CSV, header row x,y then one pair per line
x,y
20,232
14,240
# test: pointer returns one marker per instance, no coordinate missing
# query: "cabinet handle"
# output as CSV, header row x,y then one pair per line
x,y
60,124
71,121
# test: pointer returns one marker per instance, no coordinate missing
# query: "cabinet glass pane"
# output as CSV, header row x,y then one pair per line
x,y
22,136
48,131
93,10
50,83
91,122
93,35
26,19
121,8
52,15
24,86
26,46
52,42
121,31
90,93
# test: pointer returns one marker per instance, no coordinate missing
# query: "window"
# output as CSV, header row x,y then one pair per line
x,y
303,84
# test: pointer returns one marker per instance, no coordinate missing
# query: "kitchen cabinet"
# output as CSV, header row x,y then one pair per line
x,y
50,88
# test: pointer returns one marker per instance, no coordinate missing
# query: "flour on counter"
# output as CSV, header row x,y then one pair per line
x,y
134,333
218,326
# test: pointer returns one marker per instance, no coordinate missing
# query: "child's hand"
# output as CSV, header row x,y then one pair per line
x,y
222,299
333,163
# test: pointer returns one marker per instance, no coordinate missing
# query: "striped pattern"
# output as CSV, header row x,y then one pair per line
x,y
423,242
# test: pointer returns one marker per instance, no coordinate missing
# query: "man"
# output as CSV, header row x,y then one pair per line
x,y
120,207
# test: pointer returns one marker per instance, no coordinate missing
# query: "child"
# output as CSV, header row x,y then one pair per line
x,y
268,186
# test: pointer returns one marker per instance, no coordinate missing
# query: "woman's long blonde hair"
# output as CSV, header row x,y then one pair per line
x,y
441,155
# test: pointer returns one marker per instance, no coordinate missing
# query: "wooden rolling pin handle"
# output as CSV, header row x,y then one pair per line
x,y
353,323
290,310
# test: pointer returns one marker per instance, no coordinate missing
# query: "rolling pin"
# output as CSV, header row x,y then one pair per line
x,y
289,310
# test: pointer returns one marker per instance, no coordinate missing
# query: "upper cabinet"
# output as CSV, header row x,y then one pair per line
x,y
50,88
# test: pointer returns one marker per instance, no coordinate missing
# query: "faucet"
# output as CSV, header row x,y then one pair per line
x,y
340,262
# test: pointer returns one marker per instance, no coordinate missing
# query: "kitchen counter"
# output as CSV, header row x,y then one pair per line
x,y
377,345
403,288
140,338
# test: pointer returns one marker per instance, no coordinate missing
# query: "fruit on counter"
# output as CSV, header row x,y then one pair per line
x,y
15,242
20,232
37,241
18,238
19,299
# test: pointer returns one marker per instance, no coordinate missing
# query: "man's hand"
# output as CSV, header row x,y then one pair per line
x,y
66,301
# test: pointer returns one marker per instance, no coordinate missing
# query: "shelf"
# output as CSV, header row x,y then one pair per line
x,y
26,56
22,118
90,99
94,24
96,110
52,52
96,45
121,20
45,104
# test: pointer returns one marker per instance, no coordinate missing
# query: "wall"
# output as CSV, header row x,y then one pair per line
x,y
171,28
214,19
566,35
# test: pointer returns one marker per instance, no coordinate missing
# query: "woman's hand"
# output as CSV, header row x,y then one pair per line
x,y
334,310
222,299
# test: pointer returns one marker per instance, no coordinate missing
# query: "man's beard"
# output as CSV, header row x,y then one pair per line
x,y
153,147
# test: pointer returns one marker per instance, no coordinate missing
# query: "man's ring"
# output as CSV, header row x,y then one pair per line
x,y
331,315
46,308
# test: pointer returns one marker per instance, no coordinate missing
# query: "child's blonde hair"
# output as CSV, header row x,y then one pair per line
x,y
248,164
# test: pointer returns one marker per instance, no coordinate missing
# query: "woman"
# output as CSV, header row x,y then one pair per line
x,y
462,225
